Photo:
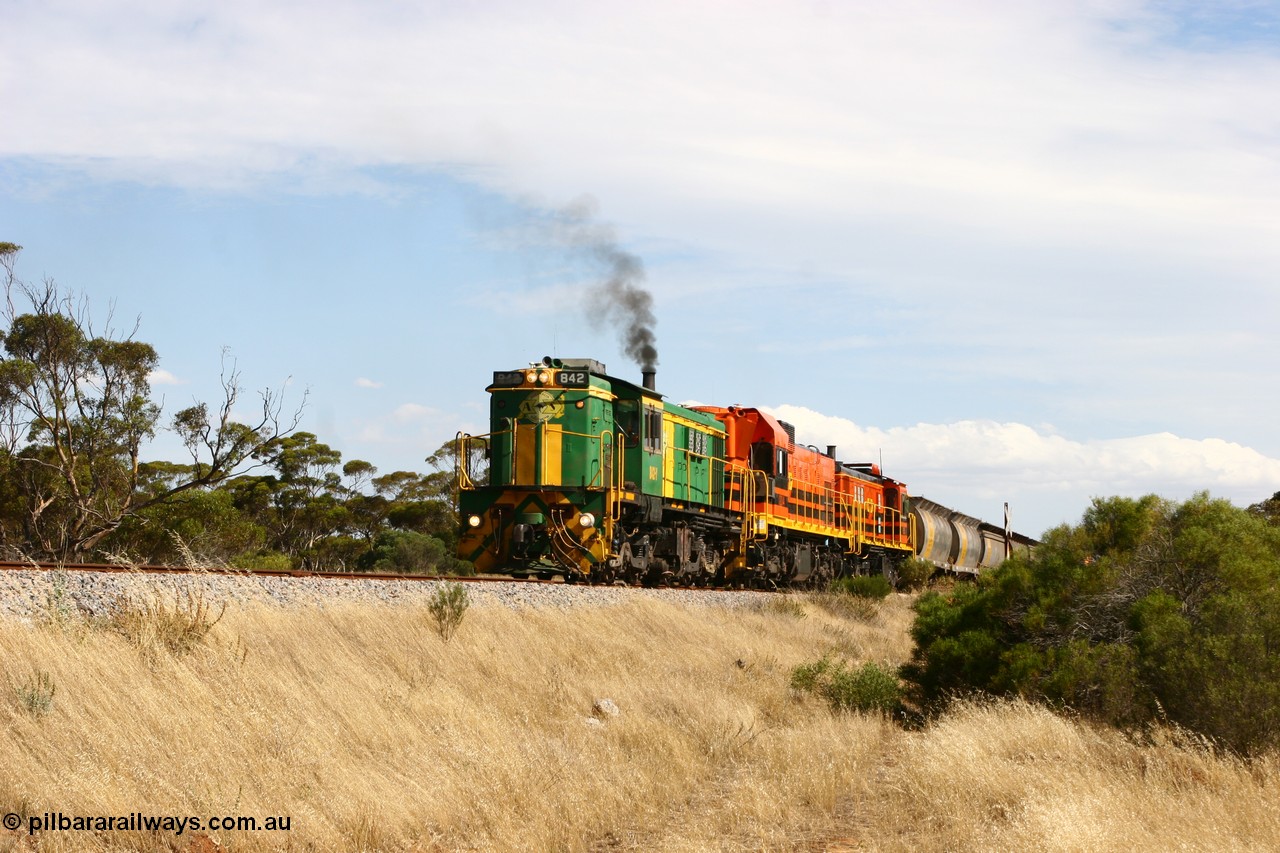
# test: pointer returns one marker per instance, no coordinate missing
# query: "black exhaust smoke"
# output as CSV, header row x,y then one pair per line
x,y
618,299
627,306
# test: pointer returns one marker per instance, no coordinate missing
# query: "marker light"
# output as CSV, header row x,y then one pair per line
x,y
474,521
587,520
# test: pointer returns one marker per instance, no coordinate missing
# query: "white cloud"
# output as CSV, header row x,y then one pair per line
x,y
1050,193
974,466
164,377
846,136
405,436
362,382
903,105
413,413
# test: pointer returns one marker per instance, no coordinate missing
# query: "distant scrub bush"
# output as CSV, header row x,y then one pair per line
x,y
869,688
1146,611
268,562
409,552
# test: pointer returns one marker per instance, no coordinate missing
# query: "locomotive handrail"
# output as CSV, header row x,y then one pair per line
x,y
825,510
615,483
462,462
823,499
746,479
464,443
887,524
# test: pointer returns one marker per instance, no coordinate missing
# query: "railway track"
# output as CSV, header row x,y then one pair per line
x,y
35,590
114,568
29,565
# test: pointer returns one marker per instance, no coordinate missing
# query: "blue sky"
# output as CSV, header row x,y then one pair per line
x,y
1019,251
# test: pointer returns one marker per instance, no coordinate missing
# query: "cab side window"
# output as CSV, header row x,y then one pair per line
x,y
653,429
762,457
628,421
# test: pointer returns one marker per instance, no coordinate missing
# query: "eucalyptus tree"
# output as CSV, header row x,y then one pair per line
x,y
310,504
76,411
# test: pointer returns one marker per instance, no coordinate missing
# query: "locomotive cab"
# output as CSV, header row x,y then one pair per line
x,y
551,454
592,477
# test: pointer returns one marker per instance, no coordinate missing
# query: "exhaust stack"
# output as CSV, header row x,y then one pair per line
x,y
648,378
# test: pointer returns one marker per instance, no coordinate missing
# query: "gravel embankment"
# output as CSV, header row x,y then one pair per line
x,y
30,593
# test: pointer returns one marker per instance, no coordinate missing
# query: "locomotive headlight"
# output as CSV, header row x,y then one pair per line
x,y
474,520
587,520
544,378
532,376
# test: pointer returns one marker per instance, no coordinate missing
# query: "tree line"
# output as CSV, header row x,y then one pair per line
x,y
76,412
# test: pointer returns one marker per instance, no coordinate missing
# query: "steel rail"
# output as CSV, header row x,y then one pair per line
x,y
114,568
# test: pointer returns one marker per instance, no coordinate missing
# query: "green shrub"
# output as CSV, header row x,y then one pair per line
x,y
870,688
807,676
1146,611
863,586
447,607
914,573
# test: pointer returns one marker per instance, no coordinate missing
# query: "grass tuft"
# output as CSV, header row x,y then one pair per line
x,y
786,605
35,694
60,609
155,624
863,586
447,607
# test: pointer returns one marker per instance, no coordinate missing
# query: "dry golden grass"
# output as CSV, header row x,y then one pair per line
x,y
371,733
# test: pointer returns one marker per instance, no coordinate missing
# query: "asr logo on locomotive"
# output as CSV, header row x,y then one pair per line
x,y
542,407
